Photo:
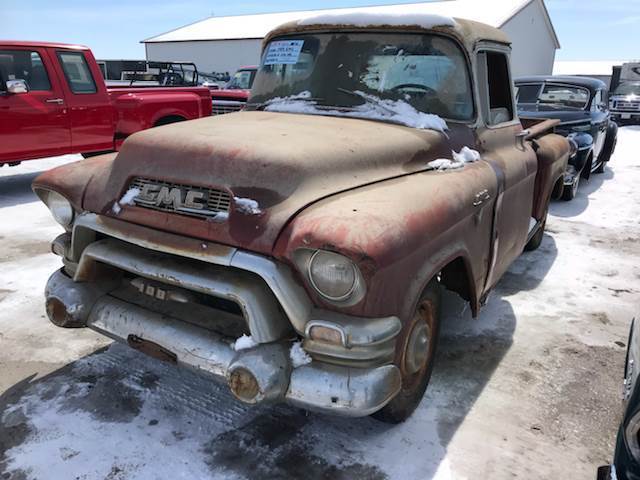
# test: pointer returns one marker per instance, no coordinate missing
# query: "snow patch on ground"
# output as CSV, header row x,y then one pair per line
x,y
298,355
245,342
247,206
127,199
365,19
374,108
465,156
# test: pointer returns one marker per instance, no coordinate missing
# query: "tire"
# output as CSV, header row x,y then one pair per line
x,y
95,154
169,120
606,154
536,240
415,371
569,192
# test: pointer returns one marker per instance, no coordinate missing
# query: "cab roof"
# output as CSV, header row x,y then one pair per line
x,y
31,44
467,31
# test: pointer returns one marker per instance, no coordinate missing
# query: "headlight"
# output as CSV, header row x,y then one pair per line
x,y
332,275
59,206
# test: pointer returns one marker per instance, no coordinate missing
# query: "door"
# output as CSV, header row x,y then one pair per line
x,y
91,114
36,123
513,161
599,122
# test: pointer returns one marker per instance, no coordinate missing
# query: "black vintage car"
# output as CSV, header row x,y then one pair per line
x,y
626,459
581,104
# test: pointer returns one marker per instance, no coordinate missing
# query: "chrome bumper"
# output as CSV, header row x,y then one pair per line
x,y
317,386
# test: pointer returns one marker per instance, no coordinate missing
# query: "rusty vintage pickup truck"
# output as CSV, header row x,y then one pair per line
x,y
303,262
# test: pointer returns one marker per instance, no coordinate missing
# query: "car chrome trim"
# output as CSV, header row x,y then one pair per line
x,y
348,391
259,306
279,277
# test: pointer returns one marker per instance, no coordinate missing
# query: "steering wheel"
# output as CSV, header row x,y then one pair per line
x,y
417,86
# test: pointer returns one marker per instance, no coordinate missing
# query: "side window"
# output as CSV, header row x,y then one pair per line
x,y
598,104
494,66
24,65
77,72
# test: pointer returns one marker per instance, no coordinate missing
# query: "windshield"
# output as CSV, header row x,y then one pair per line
x,y
628,89
242,80
555,96
347,70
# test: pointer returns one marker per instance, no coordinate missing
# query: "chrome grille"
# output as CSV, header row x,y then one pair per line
x,y
220,107
625,105
215,201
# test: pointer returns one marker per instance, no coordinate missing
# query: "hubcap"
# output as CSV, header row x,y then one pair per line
x,y
417,348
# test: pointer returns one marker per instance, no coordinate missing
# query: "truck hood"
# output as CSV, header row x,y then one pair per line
x,y
272,165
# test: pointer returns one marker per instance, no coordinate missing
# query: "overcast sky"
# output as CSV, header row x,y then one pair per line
x,y
588,29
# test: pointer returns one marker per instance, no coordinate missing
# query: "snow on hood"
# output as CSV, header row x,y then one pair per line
x,y
465,156
127,199
365,19
374,108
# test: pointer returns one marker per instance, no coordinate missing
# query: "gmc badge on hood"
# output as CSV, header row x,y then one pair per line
x,y
181,198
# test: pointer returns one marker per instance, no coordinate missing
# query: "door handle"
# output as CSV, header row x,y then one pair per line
x,y
481,197
59,101
521,137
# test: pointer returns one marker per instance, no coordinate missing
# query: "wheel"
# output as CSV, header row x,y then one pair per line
x,y
95,154
536,240
606,154
569,192
415,353
601,167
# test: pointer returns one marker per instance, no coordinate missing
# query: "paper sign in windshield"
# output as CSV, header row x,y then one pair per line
x,y
284,52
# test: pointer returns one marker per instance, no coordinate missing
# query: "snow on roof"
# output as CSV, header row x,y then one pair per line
x,y
364,19
257,26
570,67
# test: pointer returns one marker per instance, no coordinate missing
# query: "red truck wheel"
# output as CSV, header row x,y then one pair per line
x,y
415,353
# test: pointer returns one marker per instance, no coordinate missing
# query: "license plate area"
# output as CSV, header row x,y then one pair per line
x,y
152,349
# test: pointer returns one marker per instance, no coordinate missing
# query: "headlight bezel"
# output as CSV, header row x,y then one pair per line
x,y
59,206
304,258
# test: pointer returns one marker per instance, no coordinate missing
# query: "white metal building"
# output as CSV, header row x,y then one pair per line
x,y
602,70
222,44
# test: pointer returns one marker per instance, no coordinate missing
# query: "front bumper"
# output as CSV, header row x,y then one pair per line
x,y
331,388
625,114
354,379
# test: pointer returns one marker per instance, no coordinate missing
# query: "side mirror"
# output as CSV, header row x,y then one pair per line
x,y
17,86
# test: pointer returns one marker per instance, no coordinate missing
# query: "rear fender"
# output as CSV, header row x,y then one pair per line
x,y
553,155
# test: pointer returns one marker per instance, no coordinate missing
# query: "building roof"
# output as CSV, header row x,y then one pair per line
x,y
586,82
258,26
598,68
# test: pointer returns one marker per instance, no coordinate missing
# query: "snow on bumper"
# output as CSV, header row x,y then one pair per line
x,y
255,375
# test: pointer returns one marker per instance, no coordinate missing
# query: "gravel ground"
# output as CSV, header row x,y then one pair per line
x,y
531,389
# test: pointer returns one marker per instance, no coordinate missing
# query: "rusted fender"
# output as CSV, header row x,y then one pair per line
x,y
71,180
401,233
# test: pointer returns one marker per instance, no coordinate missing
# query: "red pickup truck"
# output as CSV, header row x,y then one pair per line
x,y
233,97
53,101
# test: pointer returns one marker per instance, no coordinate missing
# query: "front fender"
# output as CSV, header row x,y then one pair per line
x,y
401,233
71,180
